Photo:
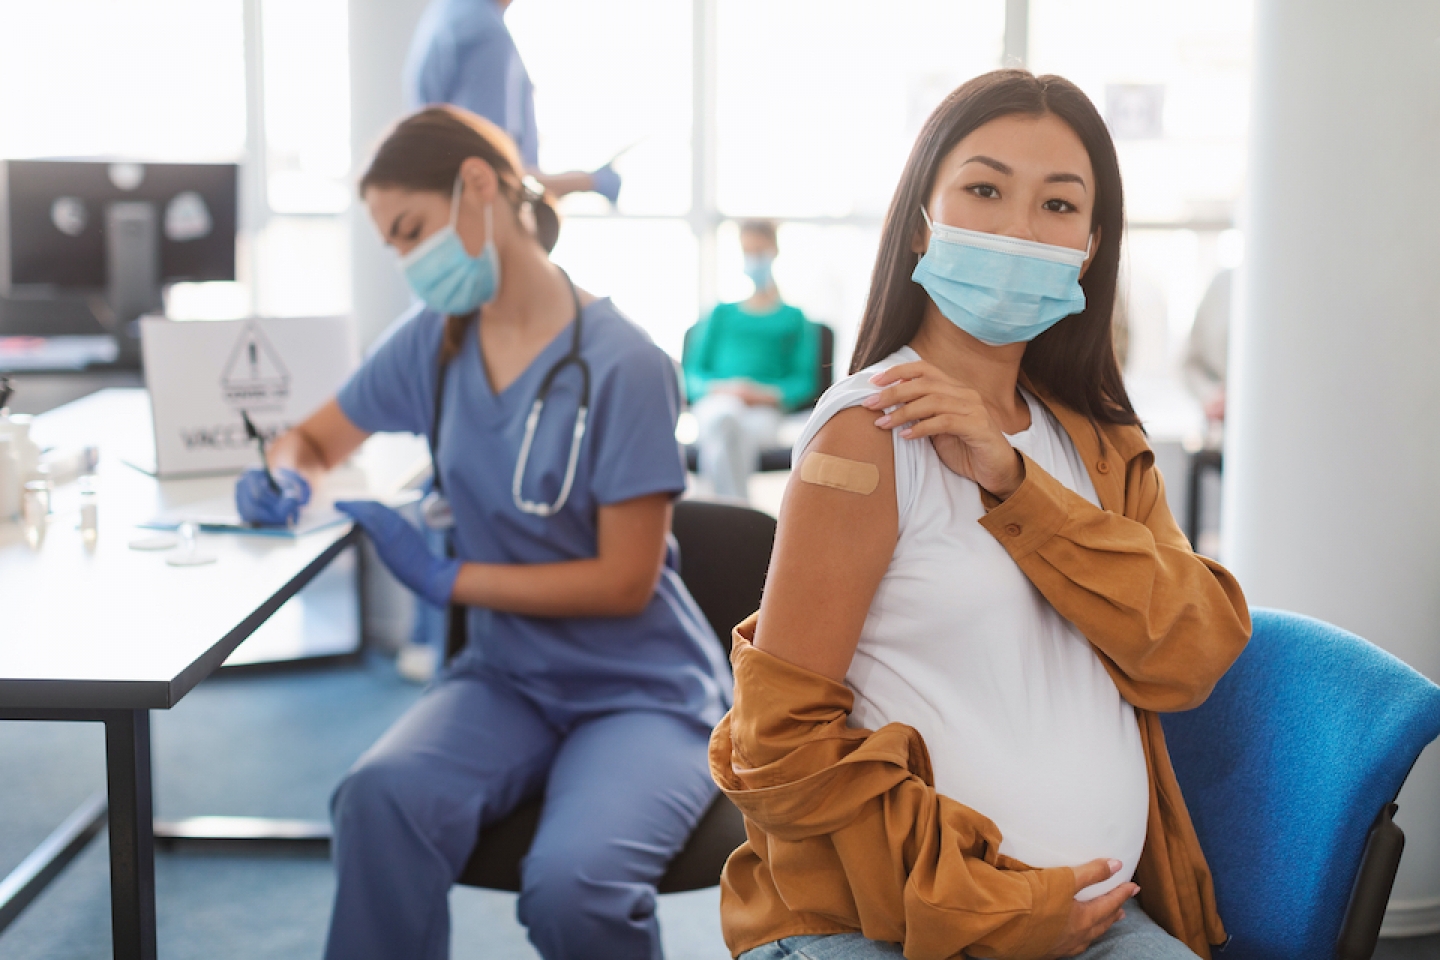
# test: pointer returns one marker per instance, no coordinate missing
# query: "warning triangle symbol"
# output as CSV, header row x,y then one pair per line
x,y
254,375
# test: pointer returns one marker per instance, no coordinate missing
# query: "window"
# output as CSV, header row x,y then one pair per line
x,y
807,111
1173,81
802,110
159,79
167,80
301,257
818,101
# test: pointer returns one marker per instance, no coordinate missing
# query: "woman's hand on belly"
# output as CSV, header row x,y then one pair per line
x,y
960,426
1089,920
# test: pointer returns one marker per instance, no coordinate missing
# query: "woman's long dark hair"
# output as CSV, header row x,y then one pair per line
x,y
1074,361
424,153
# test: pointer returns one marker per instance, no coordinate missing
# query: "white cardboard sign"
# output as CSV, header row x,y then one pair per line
x,y
202,374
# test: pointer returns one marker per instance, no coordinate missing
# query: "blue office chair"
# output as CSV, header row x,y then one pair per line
x,y
1290,771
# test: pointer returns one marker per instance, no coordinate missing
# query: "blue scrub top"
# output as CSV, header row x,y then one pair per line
x,y
667,658
463,54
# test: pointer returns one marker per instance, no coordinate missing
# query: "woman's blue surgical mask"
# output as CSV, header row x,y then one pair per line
x,y
759,267
448,279
999,289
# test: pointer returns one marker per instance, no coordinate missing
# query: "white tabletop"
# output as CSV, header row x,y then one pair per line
x,y
115,627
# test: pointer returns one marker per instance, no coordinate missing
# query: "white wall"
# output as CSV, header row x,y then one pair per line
x,y
1333,454
380,32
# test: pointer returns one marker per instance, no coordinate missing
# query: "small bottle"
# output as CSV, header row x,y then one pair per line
x,y
35,512
89,512
11,481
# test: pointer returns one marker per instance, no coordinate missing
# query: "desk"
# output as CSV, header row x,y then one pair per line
x,y
109,635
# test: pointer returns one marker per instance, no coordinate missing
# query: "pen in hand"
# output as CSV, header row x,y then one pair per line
x,y
259,438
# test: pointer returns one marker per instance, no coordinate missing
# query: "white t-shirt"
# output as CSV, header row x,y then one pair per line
x,y
1022,722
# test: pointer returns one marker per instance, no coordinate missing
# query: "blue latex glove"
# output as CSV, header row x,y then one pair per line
x,y
606,182
258,502
402,549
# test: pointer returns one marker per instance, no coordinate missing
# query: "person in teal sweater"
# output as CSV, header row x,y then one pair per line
x,y
747,365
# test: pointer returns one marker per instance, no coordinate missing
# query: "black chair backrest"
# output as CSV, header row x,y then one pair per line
x,y
724,553
825,376
724,556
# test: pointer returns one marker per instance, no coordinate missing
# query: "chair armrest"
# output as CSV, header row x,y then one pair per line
x,y
1372,887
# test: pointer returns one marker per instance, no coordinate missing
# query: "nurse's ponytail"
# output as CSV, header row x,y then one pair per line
x,y
424,152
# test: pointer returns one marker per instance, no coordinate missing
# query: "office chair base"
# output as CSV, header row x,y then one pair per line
x,y
244,833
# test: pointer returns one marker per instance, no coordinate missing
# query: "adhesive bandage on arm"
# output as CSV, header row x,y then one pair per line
x,y
851,476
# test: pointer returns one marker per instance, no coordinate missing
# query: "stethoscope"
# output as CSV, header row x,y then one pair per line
x,y
436,507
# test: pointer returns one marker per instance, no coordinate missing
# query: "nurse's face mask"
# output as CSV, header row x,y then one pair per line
x,y
999,289
447,278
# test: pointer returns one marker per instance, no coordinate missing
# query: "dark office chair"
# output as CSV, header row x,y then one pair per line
x,y
1207,458
1290,771
724,553
774,459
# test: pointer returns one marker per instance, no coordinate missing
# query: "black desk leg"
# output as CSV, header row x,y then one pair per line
x,y
132,837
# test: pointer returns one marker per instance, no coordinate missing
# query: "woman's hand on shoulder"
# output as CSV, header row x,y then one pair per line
x,y
956,420
837,531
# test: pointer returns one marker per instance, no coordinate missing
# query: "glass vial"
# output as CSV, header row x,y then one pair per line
x,y
89,513
35,512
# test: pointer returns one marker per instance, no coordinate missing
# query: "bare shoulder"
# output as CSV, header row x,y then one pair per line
x,y
849,466
852,432
837,532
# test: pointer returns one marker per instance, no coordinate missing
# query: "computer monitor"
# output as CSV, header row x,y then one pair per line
x,y
104,237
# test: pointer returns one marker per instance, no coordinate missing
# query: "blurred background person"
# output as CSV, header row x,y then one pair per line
x,y
746,365
463,54
1206,351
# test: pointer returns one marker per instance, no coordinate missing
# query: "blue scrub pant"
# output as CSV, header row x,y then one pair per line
x,y
622,793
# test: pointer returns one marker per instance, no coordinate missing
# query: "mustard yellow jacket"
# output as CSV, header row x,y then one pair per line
x,y
845,829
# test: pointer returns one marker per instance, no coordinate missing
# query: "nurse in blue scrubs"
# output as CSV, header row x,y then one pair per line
x,y
463,54
590,675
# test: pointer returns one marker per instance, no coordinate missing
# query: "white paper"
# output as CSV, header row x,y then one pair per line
x,y
218,515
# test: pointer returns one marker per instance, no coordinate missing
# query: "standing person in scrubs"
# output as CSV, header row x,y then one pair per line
x,y
749,363
463,54
590,675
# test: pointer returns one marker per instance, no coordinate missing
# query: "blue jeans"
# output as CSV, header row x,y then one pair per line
x,y
1135,938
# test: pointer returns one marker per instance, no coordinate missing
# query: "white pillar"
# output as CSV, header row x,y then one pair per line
x,y
380,32
1332,484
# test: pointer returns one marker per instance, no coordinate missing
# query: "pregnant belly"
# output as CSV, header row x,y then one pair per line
x,y
1061,796
1063,787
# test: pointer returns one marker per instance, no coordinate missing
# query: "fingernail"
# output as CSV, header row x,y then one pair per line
x,y
876,377
907,432
872,402
883,421
1115,866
